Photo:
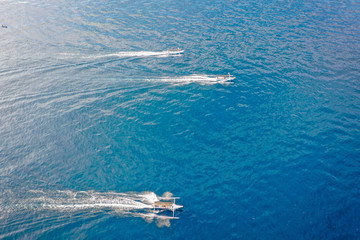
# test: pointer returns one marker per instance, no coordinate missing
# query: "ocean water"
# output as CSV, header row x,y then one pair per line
x,y
97,121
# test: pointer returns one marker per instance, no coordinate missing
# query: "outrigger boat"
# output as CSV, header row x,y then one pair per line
x,y
167,205
227,77
174,51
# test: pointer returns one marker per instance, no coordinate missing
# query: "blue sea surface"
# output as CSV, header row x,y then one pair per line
x,y
97,121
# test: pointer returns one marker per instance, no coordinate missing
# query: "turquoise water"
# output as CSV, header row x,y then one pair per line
x,y
96,121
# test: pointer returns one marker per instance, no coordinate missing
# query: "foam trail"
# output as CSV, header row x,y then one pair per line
x,y
122,54
36,199
91,199
61,204
195,78
122,204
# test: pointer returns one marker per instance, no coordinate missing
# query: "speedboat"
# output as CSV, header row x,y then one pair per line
x,y
174,51
227,77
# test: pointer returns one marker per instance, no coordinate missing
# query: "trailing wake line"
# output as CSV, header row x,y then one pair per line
x,y
197,78
166,53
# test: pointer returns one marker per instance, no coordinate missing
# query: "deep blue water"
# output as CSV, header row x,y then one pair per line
x,y
95,120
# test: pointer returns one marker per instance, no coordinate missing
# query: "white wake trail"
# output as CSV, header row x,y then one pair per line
x,y
120,54
195,78
129,204
90,199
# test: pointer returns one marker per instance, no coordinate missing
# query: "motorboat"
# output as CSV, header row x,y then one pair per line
x,y
174,51
227,77
167,204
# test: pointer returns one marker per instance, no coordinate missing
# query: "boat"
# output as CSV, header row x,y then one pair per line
x,y
227,77
3,26
174,51
167,205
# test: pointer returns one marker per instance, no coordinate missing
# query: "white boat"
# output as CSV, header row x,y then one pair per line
x,y
227,77
174,51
